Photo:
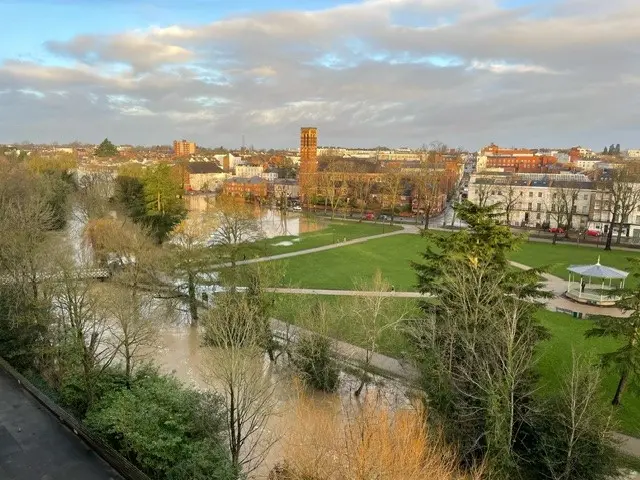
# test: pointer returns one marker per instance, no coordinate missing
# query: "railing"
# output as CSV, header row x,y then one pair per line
x,y
123,466
591,295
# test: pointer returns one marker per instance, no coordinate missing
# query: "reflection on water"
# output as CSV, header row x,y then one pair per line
x,y
180,352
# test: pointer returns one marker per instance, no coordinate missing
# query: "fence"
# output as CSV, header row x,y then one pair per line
x,y
123,466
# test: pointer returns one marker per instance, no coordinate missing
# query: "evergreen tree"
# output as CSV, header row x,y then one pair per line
x,y
612,149
605,151
617,149
106,149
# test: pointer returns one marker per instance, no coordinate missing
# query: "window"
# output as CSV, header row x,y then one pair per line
x,y
638,219
530,194
585,197
530,206
539,207
537,216
539,194
585,209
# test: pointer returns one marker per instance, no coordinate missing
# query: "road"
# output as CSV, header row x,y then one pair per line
x,y
35,446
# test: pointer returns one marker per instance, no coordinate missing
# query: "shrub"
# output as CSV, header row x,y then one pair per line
x,y
169,431
312,359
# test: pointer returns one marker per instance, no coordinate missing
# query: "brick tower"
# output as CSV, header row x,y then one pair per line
x,y
308,160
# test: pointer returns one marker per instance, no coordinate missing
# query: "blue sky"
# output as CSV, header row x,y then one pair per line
x,y
400,72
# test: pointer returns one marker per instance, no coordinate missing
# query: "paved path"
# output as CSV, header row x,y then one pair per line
x,y
355,241
35,446
347,293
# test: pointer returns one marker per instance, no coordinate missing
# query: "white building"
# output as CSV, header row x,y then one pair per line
x,y
248,171
633,153
269,176
535,200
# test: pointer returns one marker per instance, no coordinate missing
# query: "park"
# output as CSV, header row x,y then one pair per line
x,y
342,265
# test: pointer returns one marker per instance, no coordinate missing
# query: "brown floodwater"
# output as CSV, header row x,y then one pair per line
x,y
180,352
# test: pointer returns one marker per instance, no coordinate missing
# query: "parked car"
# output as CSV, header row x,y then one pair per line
x,y
593,233
556,230
384,218
368,216
297,208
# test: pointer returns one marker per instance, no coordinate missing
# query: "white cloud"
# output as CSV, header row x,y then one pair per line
x,y
400,72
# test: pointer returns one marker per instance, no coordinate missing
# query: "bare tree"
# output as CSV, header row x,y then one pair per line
x,y
135,328
509,198
83,324
623,197
362,186
238,226
373,310
190,257
393,186
236,370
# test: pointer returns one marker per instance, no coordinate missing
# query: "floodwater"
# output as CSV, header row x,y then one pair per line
x,y
180,352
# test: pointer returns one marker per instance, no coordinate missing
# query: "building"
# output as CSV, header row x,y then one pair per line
x,y
495,158
282,187
203,176
245,187
182,148
308,159
531,200
269,176
633,153
248,171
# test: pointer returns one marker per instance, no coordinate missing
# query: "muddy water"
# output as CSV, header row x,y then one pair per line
x,y
179,351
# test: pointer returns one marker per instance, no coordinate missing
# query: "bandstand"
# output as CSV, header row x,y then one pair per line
x,y
596,284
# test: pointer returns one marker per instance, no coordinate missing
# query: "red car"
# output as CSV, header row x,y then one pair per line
x,y
368,216
593,233
556,230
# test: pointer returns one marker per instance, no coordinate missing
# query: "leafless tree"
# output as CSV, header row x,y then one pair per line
x,y
623,197
373,310
237,226
393,186
236,369
509,198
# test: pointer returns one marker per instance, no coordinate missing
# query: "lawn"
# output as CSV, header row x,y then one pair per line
x,y
559,257
339,323
324,232
567,335
338,268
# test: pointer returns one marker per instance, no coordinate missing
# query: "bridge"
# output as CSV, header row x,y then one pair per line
x,y
86,273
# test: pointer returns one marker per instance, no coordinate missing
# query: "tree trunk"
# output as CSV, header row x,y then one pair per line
x,y
610,232
555,237
619,233
427,212
193,301
621,386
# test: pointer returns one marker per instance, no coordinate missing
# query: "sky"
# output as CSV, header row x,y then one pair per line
x,y
401,73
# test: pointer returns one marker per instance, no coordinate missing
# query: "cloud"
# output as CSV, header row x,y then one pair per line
x,y
399,72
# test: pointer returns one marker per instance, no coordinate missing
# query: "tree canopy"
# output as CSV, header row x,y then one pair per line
x,y
106,149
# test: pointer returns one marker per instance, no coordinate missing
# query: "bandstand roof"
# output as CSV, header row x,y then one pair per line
x,y
597,271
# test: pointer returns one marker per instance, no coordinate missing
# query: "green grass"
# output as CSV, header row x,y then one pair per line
x,y
339,323
338,268
559,257
325,232
567,335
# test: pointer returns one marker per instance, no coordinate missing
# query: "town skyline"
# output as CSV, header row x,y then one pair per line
x,y
550,73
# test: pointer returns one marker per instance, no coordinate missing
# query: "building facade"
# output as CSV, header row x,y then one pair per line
x,y
248,171
203,176
183,147
497,158
245,187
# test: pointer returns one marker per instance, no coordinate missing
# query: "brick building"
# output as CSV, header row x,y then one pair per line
x,y
244,187
183,147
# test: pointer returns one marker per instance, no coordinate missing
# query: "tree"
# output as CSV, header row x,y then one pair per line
x,y
510,197
605,151
393,187
236,369
573,432
626,359
612,149
190,257
238,226
622,194
106,149
375,313
617,149
163,201
427,186
476,344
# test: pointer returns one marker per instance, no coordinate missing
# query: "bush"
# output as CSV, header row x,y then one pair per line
x,y
312,359
169,431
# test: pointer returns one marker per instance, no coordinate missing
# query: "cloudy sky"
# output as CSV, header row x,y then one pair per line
x,y
365,72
